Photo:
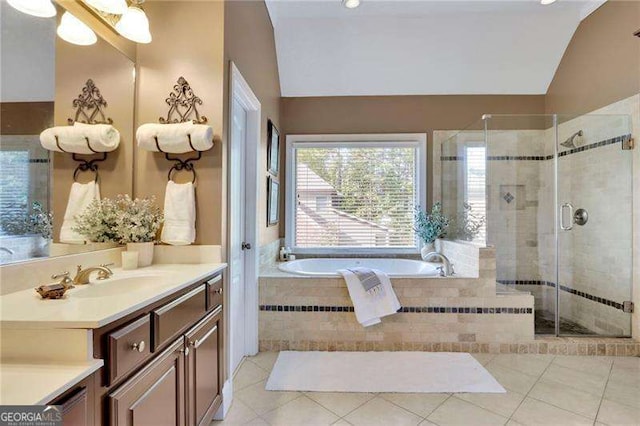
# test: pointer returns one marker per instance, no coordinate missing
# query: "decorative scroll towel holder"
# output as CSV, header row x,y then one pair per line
x,y
183,104
89,110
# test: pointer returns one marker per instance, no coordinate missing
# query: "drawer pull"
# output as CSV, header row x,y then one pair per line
x,y
185,351
139,347
219,291
195,343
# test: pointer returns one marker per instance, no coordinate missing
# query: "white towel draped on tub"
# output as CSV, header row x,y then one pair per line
x,y
80,196
179,214
73,139
368,307
174,138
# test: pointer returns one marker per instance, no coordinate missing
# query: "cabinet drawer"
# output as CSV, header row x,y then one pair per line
x,y
175,317
214,292
129,346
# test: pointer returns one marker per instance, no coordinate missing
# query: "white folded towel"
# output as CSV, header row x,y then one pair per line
x,y
174,138
179,214
80,196
73,139
369,308
104,135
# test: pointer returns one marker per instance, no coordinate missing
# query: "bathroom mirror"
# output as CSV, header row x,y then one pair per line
x,y
42,75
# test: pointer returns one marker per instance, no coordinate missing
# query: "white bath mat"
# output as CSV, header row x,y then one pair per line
x,y
420,372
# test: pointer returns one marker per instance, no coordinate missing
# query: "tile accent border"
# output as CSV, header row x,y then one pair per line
x,y
551,345
403,310
579,293
606,142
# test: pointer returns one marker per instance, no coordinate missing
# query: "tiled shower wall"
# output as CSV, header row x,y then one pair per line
x,y
595,261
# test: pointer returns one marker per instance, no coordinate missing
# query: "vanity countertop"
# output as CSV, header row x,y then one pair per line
x,y
99,303
37,384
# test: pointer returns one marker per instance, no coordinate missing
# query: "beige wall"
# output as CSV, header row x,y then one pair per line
x,y
602,62
397,114
250,44
112,73
187,42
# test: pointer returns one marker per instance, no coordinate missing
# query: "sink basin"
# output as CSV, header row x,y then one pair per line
x,y
115,286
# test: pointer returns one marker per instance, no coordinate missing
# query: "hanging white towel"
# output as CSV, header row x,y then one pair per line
x,y
80,196
174,138
179,214
369,308
73,139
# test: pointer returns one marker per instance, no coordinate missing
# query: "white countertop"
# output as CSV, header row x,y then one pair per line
x,y
37,384
101,302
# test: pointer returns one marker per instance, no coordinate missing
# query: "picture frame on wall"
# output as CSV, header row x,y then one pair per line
x,y
273,148
273,201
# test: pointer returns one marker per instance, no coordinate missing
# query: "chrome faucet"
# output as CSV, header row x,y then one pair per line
x,y
82,275
446,269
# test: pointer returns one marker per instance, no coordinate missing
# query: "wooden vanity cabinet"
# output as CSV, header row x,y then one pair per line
x,y
204,369
154,396
180,382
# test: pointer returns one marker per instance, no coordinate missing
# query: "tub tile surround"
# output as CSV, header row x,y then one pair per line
x,y
302,311
592,176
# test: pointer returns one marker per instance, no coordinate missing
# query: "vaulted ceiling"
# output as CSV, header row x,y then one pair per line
x,y
422,47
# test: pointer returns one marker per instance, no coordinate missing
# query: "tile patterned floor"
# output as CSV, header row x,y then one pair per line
x,y
541,390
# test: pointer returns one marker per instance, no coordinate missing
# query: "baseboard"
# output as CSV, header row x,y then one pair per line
x,y
227,399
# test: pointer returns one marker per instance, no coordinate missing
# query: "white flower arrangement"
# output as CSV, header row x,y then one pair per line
x,y
123,220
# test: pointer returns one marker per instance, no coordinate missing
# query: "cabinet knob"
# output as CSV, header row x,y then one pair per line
x,y
219,291
139,347
194,343
185,351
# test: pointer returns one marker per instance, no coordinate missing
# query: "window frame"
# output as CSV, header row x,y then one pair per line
x,y
413,140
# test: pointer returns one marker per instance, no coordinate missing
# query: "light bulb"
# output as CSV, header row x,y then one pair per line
x,y
39,8
74,31
351,4
134,25
115,7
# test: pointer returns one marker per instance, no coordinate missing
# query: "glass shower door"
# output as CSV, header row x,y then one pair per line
x,y
593,176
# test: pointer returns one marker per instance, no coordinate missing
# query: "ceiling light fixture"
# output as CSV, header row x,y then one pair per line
x,y
115,7
74,31
351,4
134,25
546,2
39,8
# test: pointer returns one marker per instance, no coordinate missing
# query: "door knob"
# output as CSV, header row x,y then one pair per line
x,y
246,246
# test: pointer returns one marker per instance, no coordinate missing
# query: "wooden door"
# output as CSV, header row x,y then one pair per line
x,y
155,396
204,369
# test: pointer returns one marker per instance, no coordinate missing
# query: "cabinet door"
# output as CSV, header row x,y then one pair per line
x,y
204,368
154,396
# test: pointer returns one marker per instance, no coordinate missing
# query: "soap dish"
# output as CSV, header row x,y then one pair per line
x,y
53,291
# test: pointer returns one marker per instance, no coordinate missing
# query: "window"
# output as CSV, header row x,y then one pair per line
x,y
14,187
475,172
354,192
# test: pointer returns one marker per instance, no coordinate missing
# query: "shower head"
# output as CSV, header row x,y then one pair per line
x,y
571,141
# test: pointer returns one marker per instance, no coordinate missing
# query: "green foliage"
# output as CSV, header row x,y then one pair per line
x,y
123,220
38,221
467,224
430,226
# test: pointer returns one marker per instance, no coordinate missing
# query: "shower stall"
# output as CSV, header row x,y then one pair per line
x,y
553,195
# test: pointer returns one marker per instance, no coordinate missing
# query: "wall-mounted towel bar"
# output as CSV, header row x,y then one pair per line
x,y
184,132
89,133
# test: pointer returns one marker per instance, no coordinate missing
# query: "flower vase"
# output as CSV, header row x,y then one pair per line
x,y
426,249
145,253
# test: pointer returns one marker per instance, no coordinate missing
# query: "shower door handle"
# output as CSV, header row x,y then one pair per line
x,y
562,225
